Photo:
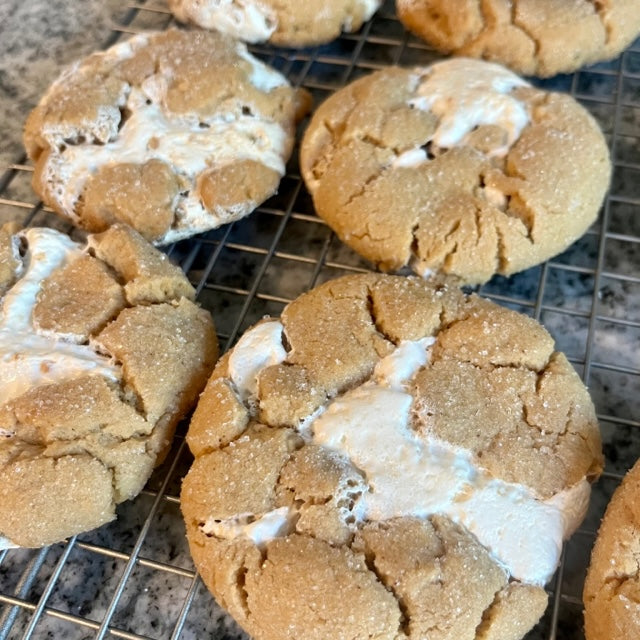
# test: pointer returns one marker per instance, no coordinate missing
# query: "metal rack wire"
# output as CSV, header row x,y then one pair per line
x,y
134,579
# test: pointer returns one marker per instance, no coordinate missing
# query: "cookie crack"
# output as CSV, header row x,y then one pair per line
x,y
114,484
18,435
479,223
491,24
525,214
579,434
487,367
617,583
336,130
448,259
484,627
480,6
516,22
361,192
374,319
601,9
448,235
241,589
111,469
414,247
369,557
557,435
487,17
297,443
128,393
82,446
369,139
501,251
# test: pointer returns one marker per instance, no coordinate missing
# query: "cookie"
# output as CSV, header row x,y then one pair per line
x,y
612,589
102,351
388,459
289,23
533,37
461,167
173,133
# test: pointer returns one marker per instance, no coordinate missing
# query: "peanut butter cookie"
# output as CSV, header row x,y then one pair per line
x,y
102,351
612,588
389,459
173,133
461,167
288,23
534,37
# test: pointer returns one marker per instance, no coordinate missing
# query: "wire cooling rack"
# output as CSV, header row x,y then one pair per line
x,y
134,578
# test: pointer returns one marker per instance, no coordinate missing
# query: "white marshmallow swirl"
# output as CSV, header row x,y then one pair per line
x,y
420,476
28,358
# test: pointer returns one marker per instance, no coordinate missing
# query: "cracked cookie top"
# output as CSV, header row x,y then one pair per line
x,y
173,133
288,23
461,167
102,351
612,587
385,450
534,37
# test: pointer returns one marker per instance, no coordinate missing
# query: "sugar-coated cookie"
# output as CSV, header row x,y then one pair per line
x,y
460,167
612,588
102,351
534,37
390,459
173,133
282,22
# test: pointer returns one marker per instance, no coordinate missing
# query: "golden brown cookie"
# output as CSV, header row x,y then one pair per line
x,y
102,351
173,133
388,459
612,588
287,23
534,37
461,167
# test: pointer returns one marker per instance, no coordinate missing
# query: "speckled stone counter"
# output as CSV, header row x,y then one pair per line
x,y
134,578
37,39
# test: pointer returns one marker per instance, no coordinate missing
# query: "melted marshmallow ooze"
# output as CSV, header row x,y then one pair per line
x,y
369,7
248,20
7,544
153,133
29,358
411,476
465,94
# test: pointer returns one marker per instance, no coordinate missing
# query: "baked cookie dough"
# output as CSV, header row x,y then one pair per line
x,y
534,37
390,459
173,133
612,588
288,23
461,167
102,351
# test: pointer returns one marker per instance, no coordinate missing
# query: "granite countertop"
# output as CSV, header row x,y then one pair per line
x,y
137,571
